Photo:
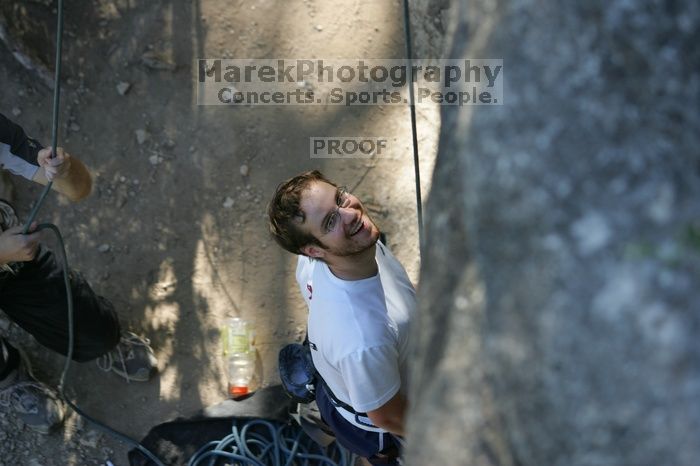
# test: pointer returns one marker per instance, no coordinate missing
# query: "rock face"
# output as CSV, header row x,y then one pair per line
x,y
559,310
432,24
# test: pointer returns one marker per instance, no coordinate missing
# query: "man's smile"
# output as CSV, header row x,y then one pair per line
x,y
358,227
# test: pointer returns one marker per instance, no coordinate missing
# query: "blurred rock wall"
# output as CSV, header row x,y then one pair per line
x,y
559,320
432,25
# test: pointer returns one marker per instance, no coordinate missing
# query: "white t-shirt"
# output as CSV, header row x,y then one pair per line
x,y
358,330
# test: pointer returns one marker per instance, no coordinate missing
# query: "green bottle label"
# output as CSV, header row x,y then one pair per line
x,y
235,340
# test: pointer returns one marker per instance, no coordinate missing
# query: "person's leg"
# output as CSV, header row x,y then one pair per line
x,y
36,301
31,297
36,405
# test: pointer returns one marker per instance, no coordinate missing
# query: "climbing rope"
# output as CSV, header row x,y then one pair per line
x,y
414,131
257,442
54,126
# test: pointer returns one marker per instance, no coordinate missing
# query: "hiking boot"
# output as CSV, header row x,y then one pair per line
x,y
132,359
35,404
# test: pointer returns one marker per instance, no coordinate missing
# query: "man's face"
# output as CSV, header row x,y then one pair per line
x,y
340,223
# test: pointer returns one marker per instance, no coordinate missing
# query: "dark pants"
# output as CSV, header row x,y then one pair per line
x,y
370,445
35,299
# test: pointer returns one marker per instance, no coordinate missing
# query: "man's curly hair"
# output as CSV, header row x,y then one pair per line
x,y
285,214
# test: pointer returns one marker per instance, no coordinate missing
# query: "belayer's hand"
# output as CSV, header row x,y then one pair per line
x,y
17,247
54,168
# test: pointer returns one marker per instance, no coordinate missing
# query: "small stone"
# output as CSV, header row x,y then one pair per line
x,y
228,203
169,143
244,170
154,159
123,87
75,127
16,111
103,248
319,27
141,136
157,61
122,178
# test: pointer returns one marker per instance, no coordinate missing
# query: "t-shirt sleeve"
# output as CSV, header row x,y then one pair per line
x,y
17,151
303,276
371,376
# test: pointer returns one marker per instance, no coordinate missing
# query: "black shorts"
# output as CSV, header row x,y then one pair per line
x,y
362,442
35,299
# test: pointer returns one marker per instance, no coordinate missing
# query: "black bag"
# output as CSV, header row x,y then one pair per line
x,y
297,372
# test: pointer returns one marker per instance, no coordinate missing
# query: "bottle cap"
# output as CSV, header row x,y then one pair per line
x,y
237,390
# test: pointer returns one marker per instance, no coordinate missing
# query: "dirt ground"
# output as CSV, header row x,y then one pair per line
x,y
174,234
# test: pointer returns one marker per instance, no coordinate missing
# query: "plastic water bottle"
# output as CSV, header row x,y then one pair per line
x,y
239,351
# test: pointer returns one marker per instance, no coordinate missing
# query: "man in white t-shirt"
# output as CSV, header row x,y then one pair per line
x,y
360,305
